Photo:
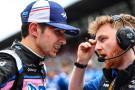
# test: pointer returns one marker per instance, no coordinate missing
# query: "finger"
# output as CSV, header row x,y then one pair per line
x,y
92,41
85,45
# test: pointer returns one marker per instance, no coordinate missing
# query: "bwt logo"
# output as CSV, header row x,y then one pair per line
x,y
33,87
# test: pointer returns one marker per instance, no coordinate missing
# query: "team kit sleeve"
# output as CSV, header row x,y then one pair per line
x,y
8,69
93,84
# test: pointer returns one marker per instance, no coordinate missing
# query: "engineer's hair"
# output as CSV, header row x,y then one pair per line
x,y
125,20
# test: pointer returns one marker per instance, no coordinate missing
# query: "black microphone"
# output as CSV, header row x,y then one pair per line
x,y
102,59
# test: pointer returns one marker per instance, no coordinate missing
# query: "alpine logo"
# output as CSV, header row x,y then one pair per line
x,y
105,85
132,84
33,87
64,15
133,81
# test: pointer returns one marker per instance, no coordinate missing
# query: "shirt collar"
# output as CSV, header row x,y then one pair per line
x,y
114,72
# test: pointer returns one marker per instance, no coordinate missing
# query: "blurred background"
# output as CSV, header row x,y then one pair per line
x,y
79,13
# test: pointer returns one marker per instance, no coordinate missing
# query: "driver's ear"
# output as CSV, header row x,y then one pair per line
x,y
33,29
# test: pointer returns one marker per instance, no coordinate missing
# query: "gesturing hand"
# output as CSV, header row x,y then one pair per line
x,y
85,51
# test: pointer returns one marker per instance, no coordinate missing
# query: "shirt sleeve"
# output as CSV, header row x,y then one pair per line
x,y
93,84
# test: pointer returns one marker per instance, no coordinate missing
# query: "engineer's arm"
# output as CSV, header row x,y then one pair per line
x,y
85,52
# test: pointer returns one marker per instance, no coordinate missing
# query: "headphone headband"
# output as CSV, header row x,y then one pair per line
x,y
126,35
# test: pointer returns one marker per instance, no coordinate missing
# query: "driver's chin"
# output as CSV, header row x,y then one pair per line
x,y
53,54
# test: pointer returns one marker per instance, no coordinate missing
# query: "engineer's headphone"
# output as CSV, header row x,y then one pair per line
x,y
126,35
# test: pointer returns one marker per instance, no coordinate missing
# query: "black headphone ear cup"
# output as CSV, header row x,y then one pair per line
x,y
125,37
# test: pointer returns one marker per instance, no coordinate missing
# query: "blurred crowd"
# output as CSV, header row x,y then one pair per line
x,y
59,70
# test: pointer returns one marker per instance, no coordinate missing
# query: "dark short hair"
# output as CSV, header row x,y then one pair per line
x,y
25,27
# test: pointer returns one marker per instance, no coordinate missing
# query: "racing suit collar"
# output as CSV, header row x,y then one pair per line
x,y
34,57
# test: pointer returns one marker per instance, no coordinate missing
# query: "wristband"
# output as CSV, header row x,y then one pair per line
x,y
82,66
